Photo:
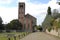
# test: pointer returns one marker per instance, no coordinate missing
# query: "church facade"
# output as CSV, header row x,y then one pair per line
x,y
28,21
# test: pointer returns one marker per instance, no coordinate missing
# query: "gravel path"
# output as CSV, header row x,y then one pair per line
x,y
40,36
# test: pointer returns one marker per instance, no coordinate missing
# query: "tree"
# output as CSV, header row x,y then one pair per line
x,y
49,11
14,25
39,28
55,13
47,23
59,24
58,1
1,25
1,21
8,26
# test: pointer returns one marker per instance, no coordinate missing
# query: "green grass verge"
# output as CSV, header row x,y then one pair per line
x,y
3,36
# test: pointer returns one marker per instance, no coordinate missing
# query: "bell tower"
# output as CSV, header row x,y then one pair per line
x,y
21,13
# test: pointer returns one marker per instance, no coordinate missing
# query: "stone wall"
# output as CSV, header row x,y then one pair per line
x,y
53,32
59,32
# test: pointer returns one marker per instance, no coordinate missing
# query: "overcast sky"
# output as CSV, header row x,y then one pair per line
x,y
36,8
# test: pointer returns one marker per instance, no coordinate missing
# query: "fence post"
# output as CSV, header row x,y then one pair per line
x,y
14,37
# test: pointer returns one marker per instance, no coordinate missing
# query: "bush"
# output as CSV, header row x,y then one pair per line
x,y
49,29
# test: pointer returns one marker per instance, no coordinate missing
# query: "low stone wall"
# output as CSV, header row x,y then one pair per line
x,y
59,32
53,32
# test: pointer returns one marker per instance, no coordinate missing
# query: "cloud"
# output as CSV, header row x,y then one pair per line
x,y
37,10
53,4
8,10
22,0
5,1
8,14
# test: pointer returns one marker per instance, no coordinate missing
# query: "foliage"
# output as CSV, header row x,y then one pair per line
x,y
1,25
8,26
56,23
19,35
59,24
39,27
49,29
1,21
49,11
48,20
14,25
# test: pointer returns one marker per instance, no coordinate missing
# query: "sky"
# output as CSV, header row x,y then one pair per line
x,y
36,8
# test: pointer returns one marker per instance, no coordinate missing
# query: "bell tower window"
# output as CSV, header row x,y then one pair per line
x,y
21,6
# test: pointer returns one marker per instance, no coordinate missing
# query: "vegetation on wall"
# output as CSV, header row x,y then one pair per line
x,y
59,24
49,21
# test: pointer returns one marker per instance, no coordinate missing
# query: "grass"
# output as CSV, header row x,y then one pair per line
x,y
3,36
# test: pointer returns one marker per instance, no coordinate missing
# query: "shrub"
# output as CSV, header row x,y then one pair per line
x,y
49,29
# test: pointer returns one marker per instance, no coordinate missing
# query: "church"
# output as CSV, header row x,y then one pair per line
x,y
28,21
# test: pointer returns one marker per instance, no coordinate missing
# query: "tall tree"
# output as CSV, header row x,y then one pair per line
x,y
1,25
49,11
0,20
58,1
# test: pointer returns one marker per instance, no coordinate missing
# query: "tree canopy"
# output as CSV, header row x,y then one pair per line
x,y
49,21
14,25
49,11
1,21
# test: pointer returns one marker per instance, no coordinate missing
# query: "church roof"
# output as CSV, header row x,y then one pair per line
x,y
29,16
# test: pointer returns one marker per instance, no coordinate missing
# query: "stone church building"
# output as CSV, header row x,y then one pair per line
x,y
28,21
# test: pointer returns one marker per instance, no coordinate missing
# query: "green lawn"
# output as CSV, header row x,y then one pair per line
x,y
3,36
